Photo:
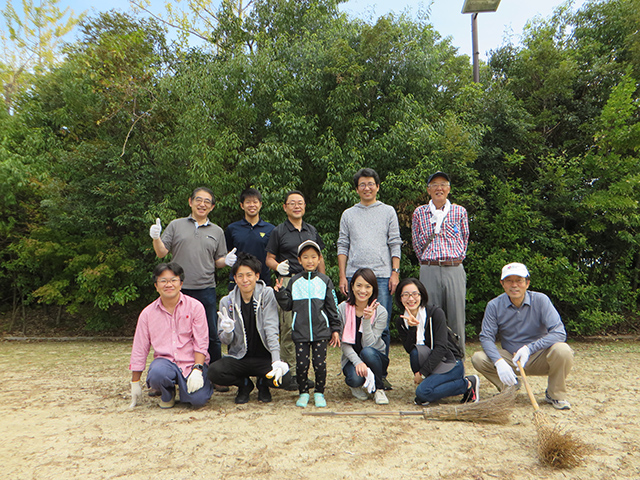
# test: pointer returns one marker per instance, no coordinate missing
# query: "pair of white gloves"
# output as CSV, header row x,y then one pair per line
x,y
156,229
195,381
505,372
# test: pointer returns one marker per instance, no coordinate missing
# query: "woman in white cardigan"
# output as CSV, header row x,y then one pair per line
x,y
364,362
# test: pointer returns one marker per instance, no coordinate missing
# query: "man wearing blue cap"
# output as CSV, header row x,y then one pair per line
x,y
531,332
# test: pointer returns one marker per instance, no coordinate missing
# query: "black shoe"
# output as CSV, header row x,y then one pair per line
x,y
264,395
220,388
386,385
310,383
472,395
244,391
293,384
419,403
153,392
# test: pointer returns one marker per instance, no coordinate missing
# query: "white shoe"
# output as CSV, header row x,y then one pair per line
x,y
381,397
359,393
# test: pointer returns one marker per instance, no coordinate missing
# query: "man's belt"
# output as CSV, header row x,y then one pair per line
x,y
442,263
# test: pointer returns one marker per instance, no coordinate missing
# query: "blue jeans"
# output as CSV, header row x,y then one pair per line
x,y
164,375
207,297
377,361
441,385
385,299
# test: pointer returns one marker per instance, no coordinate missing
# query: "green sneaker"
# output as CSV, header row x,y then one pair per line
x,y
319,399
303,400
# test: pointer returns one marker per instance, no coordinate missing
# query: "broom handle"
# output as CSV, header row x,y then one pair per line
x,y
366,414
526,385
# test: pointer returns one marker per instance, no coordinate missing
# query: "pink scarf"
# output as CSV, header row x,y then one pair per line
x,y
349,331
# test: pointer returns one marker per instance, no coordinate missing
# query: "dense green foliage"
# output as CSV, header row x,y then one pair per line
x,y
543,153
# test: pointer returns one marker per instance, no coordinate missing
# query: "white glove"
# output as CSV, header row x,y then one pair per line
x,y
155,229
370,382
136,393
505,372
523,356
231,258
226,323
278,370
283,268
195,381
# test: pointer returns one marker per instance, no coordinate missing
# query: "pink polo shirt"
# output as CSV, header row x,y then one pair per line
x,y
174,337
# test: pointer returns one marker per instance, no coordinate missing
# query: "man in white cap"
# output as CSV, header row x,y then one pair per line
x,y
531,331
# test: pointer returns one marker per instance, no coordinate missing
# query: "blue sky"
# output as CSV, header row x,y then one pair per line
x,y
445,16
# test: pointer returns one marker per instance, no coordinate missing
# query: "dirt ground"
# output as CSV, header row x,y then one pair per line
x,y
64,415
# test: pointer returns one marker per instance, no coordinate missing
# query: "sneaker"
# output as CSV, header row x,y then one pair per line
x,y
244,391
472,394
320,400
380,397
385,384
303,400
220,388
293,384
359,393
557,404
419,403
170,403
264,395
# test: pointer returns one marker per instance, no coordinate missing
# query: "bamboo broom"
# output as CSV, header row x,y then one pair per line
x,y
493,410
556,449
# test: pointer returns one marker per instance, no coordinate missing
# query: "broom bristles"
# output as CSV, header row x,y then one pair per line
x,y
558,448
493,410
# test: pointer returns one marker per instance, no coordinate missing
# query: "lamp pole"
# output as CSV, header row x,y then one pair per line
x,y
474,7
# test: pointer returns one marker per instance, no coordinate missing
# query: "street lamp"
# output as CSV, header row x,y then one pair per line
x,y
474,7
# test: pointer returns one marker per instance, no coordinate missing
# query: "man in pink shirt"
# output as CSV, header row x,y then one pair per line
x,y
175,325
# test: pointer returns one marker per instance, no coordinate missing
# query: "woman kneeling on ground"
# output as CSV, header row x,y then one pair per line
x,y
364,362
435,357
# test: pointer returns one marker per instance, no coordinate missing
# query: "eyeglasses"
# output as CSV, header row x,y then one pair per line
x,y
206,201
295,204
406,295
365,185
164,281
515,281
436,185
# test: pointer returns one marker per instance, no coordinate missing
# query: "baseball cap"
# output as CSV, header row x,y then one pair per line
x,y
518,269
309,243
438,174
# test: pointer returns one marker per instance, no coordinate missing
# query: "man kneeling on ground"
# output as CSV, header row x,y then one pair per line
x,y
248,323
175,325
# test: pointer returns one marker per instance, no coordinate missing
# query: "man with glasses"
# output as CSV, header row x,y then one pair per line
x,y
530,331
251,234
199,246
175,325
282,258
440,233
370,238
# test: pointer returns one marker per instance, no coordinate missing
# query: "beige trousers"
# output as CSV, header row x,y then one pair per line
x,y
554,362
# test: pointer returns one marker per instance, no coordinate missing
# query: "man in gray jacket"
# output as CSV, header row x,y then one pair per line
x,y
370,238
248,323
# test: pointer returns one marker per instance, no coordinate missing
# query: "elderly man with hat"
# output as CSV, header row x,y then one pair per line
x,y
440,233
531,331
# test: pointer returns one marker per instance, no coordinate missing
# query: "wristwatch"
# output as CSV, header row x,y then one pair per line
x,y
397,270
199,366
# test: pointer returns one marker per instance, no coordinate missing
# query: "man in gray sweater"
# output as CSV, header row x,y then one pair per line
x,y
370,237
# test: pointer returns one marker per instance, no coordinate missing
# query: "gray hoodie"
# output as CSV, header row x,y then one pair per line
x,y
369,237
267,321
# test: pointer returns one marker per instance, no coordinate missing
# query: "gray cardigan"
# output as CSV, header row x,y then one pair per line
x,y
371,335
267,321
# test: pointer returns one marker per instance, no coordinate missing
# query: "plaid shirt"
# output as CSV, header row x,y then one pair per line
x,y
449,244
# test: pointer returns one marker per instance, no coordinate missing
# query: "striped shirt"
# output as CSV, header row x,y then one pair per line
x,y
449,244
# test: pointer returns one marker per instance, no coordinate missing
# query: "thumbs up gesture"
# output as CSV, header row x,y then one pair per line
x,y
231,258
155,229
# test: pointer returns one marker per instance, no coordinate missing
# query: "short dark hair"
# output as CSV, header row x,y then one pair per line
x,y
424,296
369,277
246,260
250,193
365,172
206,190
172,267
294,192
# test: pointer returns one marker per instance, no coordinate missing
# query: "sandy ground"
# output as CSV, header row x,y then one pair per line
x,y
64,415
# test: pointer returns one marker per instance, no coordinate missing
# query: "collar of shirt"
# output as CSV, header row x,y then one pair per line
x,y
196,223
506,303
291,228
259,223
161,306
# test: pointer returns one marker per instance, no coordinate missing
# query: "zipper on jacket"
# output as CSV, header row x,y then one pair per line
x,y
309,300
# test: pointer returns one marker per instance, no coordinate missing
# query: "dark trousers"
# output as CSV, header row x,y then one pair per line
x,y
234,371
318,352
207,297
